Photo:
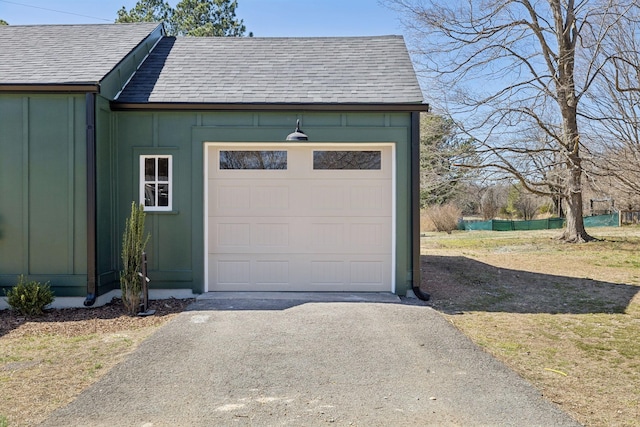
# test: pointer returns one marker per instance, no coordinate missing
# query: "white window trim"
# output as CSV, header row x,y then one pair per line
x,y
142,182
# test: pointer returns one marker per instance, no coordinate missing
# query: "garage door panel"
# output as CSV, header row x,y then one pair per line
x,y
348,198
368,237
232,234
328,272
367,272
242,198
231,272
340,235
298,235
370,198
231,196
271,197
325,236
272,272
293,272
279,197
248,235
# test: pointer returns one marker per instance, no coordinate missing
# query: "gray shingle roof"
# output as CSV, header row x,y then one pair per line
x,y
65,54
276,70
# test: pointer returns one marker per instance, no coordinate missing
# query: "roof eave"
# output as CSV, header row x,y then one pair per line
x,y
259,106
51,87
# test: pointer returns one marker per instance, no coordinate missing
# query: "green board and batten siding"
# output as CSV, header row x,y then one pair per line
x,y
176,249
43,191
44,209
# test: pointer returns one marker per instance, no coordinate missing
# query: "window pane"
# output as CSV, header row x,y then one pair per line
x,y
163,194
253,160
149,194
368,160
149,169
163,169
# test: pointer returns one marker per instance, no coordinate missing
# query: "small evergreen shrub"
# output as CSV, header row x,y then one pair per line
x,y
133,244
444,217
29,298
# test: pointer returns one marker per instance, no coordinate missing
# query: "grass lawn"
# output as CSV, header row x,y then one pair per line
x,y
565,317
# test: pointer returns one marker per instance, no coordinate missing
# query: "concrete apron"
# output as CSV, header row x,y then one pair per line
x,y
284,359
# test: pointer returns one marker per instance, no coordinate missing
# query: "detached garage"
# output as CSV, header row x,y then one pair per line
x,y
198,133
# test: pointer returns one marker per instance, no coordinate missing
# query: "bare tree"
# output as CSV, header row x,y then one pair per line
x,y
526,204
493,199
508,72
614,112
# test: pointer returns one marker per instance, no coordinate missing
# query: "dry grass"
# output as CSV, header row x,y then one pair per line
x,y
565,317
46,362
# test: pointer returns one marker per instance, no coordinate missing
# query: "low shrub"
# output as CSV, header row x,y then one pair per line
x,y
444,217
29,298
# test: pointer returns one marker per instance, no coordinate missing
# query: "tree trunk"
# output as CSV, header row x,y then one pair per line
x,y
568,103
575,231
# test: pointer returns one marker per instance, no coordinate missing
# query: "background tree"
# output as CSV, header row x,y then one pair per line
x,y
442,158
146,11
199,18
3,22
614,114
202,18
493,199
523,204
509,69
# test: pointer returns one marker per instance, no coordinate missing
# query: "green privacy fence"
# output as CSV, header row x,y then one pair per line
x,y
536,224
602,220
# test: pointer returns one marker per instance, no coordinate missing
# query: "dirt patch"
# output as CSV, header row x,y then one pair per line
x,y
46,361
565,317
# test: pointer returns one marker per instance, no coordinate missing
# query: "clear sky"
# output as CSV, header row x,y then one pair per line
x,y
265,18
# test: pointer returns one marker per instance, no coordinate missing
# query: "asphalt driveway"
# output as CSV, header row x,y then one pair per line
x,y
307,360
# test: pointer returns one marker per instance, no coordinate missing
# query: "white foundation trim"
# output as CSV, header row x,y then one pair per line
x,y
78,302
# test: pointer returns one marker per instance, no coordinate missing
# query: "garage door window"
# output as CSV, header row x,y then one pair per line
x,y
347,160
155,183
261,160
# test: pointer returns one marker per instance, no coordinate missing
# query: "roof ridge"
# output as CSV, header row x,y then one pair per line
x,y
290,37
80,25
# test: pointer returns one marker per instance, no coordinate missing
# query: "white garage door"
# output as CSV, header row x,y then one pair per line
x,y
293,217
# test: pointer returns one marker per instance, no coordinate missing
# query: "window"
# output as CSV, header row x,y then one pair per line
x,y
156,183
350,160
274,160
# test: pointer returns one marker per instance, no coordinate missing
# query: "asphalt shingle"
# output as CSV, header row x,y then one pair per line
x,y
374,69
65,54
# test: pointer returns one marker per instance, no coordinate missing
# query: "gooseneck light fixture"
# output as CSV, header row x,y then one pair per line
x,y
297,135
